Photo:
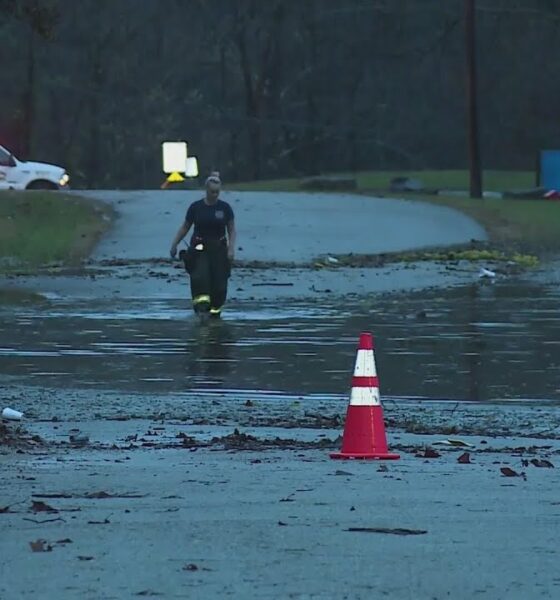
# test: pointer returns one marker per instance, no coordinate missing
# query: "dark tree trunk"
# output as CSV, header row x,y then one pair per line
x,y
472,101
28,101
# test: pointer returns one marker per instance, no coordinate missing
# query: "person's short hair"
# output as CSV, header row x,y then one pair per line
x,y
214,177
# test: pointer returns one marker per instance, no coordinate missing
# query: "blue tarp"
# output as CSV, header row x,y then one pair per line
x,y
549,175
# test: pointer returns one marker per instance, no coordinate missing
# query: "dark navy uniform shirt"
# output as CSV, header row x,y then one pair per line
x,y
209,220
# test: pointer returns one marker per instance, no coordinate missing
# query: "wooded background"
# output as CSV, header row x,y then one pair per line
x,y
273,88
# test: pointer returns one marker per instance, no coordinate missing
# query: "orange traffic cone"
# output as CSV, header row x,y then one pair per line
x,y
364,431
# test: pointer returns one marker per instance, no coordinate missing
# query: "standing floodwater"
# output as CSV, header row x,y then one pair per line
x,y
481,342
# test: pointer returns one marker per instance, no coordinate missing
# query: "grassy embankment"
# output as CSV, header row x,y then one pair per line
x,y
522,224
41,228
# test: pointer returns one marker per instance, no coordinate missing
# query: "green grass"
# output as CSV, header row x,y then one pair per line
x,y
532,225
37,228
493,180
379,180
529,224
19,296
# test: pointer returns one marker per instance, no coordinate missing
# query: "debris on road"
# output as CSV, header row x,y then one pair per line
x,y
464,459
385,530
536,462
40,546
104,522
273,284
9,414
102,495
56,496
39,506
507,472
79,439
18,437
428,453
37,522
456,443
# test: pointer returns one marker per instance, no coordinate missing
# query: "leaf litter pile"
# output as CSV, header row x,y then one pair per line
x,y
18,437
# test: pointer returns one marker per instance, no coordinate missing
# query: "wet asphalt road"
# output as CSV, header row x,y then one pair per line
x,y
286,227
278,524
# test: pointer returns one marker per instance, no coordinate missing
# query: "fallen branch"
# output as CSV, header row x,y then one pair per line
x,y
45,521
397,531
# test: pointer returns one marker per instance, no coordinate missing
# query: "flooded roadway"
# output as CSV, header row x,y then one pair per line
x,y
122,390
476,343
129,328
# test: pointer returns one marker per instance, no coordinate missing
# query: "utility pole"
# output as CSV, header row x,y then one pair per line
x,y
472,101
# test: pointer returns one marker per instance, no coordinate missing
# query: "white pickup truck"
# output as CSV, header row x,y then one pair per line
x,y
21,175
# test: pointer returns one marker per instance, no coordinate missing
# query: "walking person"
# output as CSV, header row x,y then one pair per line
x,y
211,249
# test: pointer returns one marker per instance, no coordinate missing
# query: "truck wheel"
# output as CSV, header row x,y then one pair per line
x,y
41,184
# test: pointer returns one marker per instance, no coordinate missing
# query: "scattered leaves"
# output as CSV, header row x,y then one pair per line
x,y
39,506
103,495
40,546
428,453
187,441
464,459
507,472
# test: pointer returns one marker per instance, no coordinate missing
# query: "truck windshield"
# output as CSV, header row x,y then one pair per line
x,y
5,158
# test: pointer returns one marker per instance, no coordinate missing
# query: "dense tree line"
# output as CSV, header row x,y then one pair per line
x,y
271,88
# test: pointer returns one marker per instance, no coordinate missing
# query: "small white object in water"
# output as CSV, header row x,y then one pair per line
x,y
486,273
12,415
332,260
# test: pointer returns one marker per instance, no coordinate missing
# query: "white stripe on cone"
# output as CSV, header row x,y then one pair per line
x,y
365,364
365,396
365,367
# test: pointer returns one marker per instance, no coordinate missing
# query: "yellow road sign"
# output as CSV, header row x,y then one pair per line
x,y
175,177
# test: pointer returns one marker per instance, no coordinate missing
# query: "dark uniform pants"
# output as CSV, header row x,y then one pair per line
x,y
209,277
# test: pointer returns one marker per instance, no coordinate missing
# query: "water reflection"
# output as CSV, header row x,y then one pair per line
x,y
209,354
474,342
